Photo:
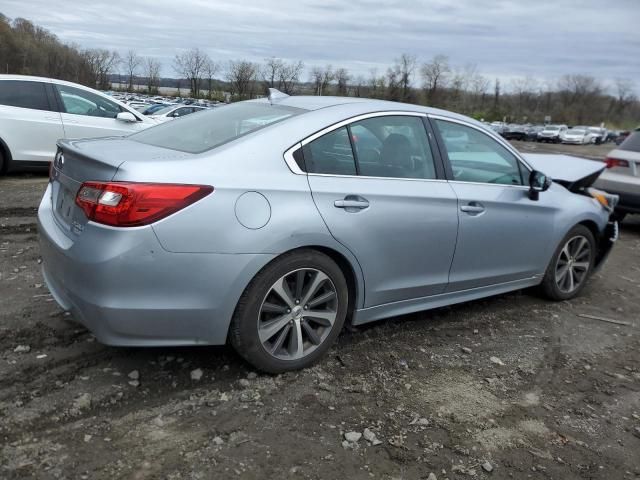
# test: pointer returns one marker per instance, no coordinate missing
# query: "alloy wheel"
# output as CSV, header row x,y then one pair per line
x,y
573,264
297,314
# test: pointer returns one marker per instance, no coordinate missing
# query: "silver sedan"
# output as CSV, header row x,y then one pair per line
x,y
271,223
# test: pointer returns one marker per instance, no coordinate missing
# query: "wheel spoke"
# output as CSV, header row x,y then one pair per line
x,y
565,252
317,281
581,265
324,318
311,333
299,283
296,345
561,273
273,308
282,289
571,283
268,329
580,245
324,298
281,338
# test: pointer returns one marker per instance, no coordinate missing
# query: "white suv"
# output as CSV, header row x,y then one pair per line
x,y
35,112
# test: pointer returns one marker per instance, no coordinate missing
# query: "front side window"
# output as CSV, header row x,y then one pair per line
x,y
476,157
81,102
18,93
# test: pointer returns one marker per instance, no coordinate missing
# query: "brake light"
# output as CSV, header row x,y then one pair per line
x,y
615,162
125,204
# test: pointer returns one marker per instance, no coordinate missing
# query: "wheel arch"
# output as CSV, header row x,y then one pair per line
x,y
6,154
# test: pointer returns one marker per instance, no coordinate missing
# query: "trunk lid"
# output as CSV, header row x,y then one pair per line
x,y
79,161
575,173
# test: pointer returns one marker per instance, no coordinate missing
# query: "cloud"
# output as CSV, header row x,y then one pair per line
x,y
505,39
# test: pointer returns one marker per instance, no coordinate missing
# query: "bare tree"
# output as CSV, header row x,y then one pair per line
x,y
342,78
434,76
152,72
132,62
276,73
101,63
190,65
321,77
209,69
242,75
405,66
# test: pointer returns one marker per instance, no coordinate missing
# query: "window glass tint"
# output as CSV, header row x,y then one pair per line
x,y
16,93
81,102
330,153
393,146
199,133
476,157
632,142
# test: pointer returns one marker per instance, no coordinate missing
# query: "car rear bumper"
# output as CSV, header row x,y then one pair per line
x,y
625,186
124,287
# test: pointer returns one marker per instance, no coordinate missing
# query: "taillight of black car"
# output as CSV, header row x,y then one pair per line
x,y
128,204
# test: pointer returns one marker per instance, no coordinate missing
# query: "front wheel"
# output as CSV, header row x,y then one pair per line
x,y
291,312
571,265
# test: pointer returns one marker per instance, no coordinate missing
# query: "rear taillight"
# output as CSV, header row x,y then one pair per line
x,y
123,204
615,162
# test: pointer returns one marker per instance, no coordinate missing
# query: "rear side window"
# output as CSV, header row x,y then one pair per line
x,y
632,142
17,93
331,153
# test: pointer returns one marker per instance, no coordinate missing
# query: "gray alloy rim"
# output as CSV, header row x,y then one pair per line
x,y
573,264
297,314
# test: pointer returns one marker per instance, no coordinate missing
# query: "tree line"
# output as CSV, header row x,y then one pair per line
x,y
574,99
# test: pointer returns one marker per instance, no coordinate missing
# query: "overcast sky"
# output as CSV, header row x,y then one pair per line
x,y
506,39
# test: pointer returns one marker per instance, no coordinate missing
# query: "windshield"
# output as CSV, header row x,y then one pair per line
x,y
551,129
212,128
576,132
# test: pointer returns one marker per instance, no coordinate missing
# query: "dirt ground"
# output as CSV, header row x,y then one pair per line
x,y
508,387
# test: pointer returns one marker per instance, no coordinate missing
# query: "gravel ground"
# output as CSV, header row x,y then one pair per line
x,y
507,387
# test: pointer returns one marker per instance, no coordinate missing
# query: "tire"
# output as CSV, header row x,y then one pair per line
x,y
3,163
570,259
267,328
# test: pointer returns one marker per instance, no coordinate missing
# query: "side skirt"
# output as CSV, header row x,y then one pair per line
x,y
404,307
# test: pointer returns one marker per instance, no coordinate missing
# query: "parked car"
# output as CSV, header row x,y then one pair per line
x,y
576,136
154,108
269,223
35,112
514,132
599,135
551,133
622,175
622,136
532,132
174,111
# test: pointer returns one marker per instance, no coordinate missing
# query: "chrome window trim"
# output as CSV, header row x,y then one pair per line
x,y
439,180
521,187
497,138
293,166
291,162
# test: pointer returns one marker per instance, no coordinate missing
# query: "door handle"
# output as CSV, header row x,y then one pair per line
x,y
351,203
473,208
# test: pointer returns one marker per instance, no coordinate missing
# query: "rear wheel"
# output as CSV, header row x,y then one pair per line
x,y
571,265
3,163
291,312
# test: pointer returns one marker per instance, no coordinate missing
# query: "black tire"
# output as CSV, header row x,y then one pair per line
x,y
244,329
550,286
3,163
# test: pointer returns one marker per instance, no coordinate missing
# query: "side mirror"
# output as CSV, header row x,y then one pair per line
x,y
126,117
538,182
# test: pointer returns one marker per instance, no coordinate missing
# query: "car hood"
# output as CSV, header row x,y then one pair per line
x,y
572,172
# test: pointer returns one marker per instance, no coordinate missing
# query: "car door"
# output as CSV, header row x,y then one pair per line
x,y
88,115
503,235
380,189
29,124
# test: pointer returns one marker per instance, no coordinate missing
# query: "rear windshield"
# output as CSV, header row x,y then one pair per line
x,y
632,142
212,128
